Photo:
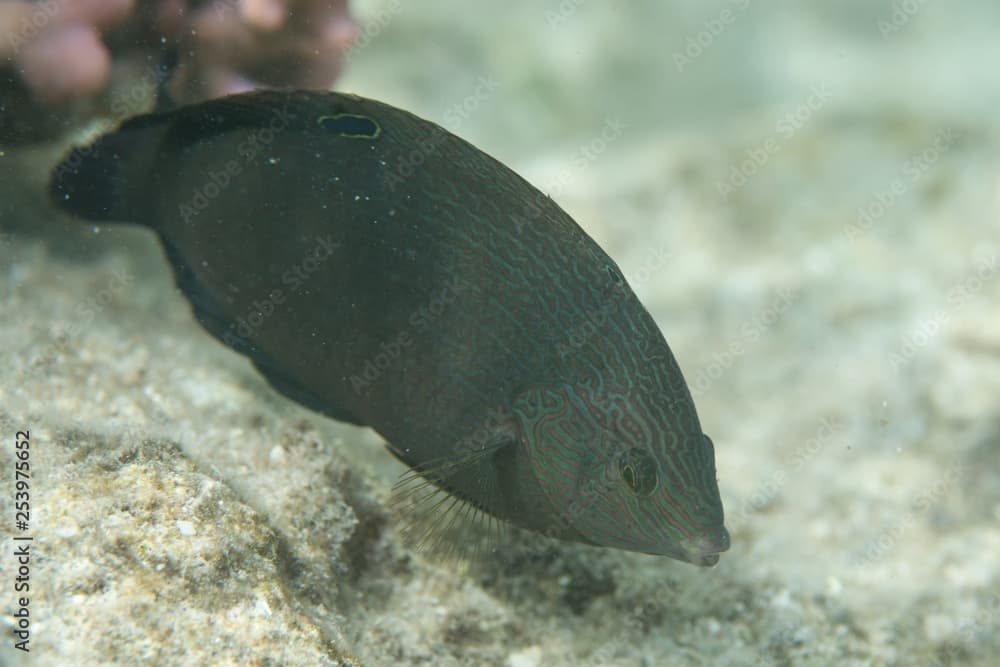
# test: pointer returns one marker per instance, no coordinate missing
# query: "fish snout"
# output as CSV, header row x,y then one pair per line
x,y
704,548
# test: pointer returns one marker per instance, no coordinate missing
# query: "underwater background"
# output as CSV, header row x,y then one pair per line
x,y
806,197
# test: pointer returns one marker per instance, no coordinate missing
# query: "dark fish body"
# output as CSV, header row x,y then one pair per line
x,y
382,271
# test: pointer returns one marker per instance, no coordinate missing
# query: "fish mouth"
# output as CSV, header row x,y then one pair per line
x,y
703,560
704,548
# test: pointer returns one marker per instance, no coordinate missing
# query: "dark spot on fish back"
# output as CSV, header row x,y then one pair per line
x,y
350,126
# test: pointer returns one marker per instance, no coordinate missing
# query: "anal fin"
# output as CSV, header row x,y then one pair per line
x,y
214,320
289,388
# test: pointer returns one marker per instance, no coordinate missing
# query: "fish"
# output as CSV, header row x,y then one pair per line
x,y
379,270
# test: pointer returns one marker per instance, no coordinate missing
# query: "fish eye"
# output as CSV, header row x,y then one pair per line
x,y
638,472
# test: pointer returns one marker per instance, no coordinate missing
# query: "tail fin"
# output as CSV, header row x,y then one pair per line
x,y
107,181
98,182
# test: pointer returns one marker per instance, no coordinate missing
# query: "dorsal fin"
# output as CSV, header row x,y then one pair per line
x,y
108,181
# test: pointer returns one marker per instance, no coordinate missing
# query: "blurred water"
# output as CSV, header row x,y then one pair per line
x,y
675,66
